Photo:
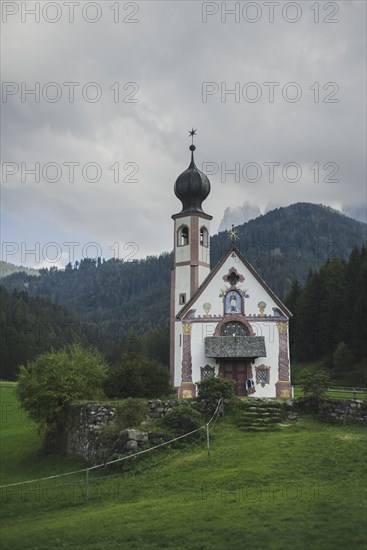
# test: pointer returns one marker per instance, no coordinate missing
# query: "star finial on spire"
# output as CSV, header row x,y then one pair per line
x,y
192,133
233,234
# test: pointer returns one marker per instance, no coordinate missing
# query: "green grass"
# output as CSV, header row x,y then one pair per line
x,y
302,487
336,394
20,457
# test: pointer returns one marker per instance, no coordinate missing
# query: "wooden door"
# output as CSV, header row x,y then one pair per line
x,y
235,370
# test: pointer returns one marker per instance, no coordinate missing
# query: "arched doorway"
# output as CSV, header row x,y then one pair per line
x,y
237,369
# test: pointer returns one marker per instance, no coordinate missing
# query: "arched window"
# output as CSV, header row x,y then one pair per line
x,y
204,236
234,329
183,236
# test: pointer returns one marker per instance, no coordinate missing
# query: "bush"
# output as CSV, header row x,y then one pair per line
x,y
215,387
182,419
131,413
137,376
48,384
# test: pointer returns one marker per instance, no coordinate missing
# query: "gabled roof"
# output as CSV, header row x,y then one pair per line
x,y
207,280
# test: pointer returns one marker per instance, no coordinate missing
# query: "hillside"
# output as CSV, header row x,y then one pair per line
x,y
7,268
286,243
120,297
32,325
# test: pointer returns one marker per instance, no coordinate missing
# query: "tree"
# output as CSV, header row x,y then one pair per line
x,y
137,376
314,387
48,384
291,301
307,337
343,358
344,365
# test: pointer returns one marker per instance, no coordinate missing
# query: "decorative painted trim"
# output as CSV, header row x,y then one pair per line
x,y
282,327
231,273
283,387
186,329
189,315
262,368
186,370
283,359
187,388
192,214
252,270
180,264
172,327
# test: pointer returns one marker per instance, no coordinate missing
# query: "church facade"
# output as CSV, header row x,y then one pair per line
x,y
224,321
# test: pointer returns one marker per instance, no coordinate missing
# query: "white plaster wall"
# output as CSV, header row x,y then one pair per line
x,y
203,273
204,254
200,330
199,359
182,252
255,290
182,285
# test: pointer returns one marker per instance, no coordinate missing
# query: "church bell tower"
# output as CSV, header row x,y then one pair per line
x,y
191,247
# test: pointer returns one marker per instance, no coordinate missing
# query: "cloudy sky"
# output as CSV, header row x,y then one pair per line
x,y
276,91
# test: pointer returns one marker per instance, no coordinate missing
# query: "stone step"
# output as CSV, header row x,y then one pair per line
x,y
262,408
259,428
267,415
262,411
254,419
263,423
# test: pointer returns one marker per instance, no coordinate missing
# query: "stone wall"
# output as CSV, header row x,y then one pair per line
x,y
336,410
87,435
345,409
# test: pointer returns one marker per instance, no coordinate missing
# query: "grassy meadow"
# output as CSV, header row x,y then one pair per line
x,y
300,487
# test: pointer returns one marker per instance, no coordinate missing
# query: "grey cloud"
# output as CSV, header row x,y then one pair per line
x,y
170,53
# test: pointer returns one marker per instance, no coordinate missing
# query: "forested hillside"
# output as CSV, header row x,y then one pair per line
x,y
8,269
286,243
329,318
29,326
114,299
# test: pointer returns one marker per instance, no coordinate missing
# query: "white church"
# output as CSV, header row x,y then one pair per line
x,y
225,321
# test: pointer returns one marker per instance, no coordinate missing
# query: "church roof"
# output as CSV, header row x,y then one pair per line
x,y
207,280
192,187
235,346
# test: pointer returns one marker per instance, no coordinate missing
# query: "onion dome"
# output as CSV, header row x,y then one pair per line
x,y
192,187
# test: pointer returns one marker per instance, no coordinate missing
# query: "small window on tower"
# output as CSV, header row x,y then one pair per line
x,y
204,240
183,236
182,299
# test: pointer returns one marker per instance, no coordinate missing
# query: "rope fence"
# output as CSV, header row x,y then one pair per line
x,y
207,427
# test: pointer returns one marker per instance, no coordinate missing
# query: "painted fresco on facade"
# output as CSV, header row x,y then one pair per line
x,y
233,302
